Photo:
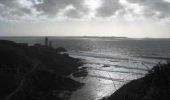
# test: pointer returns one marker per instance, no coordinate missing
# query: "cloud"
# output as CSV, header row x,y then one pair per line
x,y
154,8
13,9
73,13
16,9
52,7
49,9
108,8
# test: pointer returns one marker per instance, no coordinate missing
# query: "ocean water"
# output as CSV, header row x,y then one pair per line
x,y
110,62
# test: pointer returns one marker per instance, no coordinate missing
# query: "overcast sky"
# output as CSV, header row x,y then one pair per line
x,y
130,18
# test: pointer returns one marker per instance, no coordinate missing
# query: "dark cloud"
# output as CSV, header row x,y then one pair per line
x,y
158,8
9,3
12,9
108,8
51,7
73,13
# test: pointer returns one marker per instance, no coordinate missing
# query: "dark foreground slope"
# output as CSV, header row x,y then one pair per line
x,y
35,72
154,86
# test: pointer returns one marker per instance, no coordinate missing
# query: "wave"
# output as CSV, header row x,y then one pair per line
x,y
154,57
118,71
120,66
109,78
116,56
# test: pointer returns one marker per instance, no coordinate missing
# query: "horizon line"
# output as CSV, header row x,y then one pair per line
x,y
22,36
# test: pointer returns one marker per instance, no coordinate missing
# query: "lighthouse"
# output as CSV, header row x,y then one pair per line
x,y
46,41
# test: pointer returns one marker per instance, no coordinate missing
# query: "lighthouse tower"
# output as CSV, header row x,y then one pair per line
x,y
46,41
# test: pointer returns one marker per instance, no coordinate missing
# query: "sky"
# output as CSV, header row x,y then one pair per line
x,y
126,18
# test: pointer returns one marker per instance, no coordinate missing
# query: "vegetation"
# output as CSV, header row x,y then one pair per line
x,y
154,86
36,72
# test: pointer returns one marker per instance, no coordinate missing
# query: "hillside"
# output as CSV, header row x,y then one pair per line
x,y
154,86
36,72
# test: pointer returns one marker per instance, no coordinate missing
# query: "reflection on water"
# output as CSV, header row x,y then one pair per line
x,y
103,80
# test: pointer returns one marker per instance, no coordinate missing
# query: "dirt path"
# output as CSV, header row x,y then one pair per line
x,y
22,81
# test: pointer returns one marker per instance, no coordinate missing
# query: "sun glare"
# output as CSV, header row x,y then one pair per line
x,y
93,4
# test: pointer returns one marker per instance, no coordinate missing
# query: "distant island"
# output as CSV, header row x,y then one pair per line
x,y
37,72
116,37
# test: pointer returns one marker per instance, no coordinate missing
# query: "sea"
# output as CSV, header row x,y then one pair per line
x,y
111,62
